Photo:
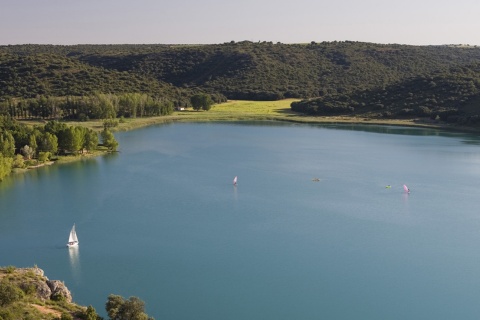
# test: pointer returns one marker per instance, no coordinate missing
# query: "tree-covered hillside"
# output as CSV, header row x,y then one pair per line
x,y
28,76
242,70
452,95
334,72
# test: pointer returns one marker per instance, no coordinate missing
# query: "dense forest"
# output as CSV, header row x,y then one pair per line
x,y
450,95
375,80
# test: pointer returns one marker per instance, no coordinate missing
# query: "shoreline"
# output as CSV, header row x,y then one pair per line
x,y
243,110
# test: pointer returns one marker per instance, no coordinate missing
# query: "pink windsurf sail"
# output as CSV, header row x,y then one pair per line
x,y
406,188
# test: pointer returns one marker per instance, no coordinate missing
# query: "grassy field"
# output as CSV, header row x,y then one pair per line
x,y
238,110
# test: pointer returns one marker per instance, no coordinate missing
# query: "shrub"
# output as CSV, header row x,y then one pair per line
x,y
66,316
10,269
43,156
9,293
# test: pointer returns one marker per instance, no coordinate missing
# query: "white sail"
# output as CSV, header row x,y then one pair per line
x,y
72,238
235,180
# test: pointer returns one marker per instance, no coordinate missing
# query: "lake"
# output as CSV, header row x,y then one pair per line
x,y
161,220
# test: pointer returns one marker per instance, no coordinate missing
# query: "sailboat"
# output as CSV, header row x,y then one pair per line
x,y
235,181
72,239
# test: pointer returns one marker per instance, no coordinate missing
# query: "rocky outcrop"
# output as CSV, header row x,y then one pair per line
x,y
33,281
35,270
59,291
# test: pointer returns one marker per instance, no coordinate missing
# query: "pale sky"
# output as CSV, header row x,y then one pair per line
x,y
416,22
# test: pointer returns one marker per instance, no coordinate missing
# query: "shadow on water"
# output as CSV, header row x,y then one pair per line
x,y
469,138
110,157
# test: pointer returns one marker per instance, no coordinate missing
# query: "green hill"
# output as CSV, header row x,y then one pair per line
x,y
360,76
452,96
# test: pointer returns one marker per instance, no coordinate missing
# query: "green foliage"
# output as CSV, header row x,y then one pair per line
x,y
49,143
201,101
238,70
452,96
9,293
110,81
110,123
10,269
5,166
132,308
32,143
91,140
44,156
7,144
18,162
108,140
113,305
91,314
66,316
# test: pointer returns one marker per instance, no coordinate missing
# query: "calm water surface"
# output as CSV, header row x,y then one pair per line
x,y
161,220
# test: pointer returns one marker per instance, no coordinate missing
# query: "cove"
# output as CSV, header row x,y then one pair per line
x,y
161,220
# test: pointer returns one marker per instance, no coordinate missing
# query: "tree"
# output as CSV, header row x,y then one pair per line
x,y
91,314
130,309
114,302
5,166
201,101
77,138
54,127
48,143
109,140
7,144
91,140
27,152
18,161
32,142
43,156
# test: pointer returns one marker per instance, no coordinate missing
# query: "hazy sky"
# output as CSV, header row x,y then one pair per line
x,y
418,22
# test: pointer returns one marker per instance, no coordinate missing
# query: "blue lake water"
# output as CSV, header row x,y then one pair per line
x,y
162,221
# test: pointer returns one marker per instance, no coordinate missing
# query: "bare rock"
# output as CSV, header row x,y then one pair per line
x,y
59,291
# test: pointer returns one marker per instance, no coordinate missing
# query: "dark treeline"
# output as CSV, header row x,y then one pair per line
x,y
451,96
97,106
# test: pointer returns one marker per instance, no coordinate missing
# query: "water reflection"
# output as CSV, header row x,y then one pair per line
x,y
405,197
235,195
109,157
74,257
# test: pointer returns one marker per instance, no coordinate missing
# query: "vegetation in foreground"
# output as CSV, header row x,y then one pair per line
x,y
27,294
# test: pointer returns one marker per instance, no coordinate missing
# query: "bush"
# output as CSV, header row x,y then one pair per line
x,y
10,269
66,316
9,293
18,161
43,156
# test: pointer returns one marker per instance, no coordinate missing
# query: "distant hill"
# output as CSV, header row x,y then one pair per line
x,y
452,96
29,75
366,74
